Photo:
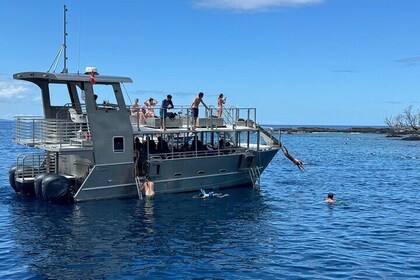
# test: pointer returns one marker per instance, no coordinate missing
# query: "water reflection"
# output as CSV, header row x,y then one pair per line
x,y
115,237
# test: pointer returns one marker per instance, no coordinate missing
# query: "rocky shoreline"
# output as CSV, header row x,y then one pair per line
x,y
403,135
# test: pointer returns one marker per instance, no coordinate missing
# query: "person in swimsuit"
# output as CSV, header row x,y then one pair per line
x,y
150,104
220,103
148,187
298,163
136,112
194,108
203,194
330,198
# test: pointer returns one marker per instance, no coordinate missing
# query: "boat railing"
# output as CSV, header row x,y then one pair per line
x,y
37,130
268,134
32,164
182,117
196,153
33,131
28,130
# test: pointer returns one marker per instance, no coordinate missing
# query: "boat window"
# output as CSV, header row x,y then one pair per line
x,y
118,144
59,94
106,96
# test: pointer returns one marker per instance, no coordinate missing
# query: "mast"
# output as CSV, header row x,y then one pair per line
x,y
65,70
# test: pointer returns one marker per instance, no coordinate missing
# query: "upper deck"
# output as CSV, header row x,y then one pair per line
x,y
79,125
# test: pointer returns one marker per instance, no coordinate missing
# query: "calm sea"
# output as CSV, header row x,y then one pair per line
x,y
283,230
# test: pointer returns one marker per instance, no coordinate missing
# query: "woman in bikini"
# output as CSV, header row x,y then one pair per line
x,y
150,104
220,103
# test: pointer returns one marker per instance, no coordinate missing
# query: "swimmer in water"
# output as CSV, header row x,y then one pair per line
x,y
297,162
330,198
203,194
148,187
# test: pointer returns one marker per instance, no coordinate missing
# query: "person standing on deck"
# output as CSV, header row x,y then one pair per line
x,y
166,104
220,104
194,108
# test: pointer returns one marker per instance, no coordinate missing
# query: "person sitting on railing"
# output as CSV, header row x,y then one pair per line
x,y
220,103
150,104
137,112
135,107
194,108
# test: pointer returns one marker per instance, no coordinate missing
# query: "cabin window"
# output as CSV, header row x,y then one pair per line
x,y
106,97
118,144
59,94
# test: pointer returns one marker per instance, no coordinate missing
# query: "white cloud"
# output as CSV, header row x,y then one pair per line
x,y
16,91
252,5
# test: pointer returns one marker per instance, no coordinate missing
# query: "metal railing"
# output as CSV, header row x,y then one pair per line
x,y
33,131
36,130
30,165
231,116
196,153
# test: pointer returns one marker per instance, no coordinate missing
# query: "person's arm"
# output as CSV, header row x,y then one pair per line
x,y
145,102
202,102
172,104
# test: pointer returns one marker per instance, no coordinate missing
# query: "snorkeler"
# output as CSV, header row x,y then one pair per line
x,y
298,163
330,198
203,194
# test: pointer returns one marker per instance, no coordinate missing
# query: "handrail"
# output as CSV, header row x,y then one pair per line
x,y
195,153
32,164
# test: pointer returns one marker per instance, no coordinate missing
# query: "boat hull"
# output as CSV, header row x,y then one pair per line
x,y
183,175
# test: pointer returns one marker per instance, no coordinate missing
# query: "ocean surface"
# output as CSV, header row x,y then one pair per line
x,y
283,230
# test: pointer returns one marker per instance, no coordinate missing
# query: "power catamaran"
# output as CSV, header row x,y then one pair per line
x,y
99,150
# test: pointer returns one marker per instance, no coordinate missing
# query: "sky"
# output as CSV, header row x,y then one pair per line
x,y
299,62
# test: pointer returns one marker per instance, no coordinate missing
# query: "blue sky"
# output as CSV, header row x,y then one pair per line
x,y
299,62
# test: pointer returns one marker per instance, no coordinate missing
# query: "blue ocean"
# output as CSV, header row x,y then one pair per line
x,y
281,230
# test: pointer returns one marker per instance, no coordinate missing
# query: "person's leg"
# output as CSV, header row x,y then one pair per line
x,y
195,115
163,119
195,123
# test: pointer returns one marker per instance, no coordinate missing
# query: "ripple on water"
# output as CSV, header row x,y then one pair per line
x,y
284,230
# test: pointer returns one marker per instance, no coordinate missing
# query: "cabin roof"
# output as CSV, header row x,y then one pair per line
x,y
61,77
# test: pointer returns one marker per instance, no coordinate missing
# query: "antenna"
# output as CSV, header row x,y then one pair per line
x,y
63,48
65,70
